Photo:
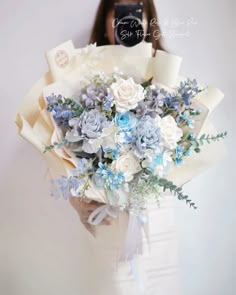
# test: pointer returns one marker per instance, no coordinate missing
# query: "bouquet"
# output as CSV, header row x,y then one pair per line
x,y
120,133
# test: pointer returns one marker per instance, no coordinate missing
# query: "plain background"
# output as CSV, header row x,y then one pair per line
x,y
41,240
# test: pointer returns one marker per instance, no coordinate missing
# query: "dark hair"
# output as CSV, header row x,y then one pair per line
x,y
99,28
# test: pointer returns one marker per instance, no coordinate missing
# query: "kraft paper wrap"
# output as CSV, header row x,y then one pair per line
x,y
68,70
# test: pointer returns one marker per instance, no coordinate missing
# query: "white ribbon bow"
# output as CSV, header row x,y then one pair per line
x,y
100,213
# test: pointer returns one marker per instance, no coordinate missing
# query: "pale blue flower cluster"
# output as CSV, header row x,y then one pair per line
x,y
64,185
94,96
179,155
112,180
62,113
184,118
187,90
111,153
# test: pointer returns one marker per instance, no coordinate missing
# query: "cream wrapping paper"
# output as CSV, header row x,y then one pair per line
x,y
69,67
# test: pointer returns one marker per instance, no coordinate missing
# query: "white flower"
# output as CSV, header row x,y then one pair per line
x,y
106,140
170,132
128,164
158,164
127,94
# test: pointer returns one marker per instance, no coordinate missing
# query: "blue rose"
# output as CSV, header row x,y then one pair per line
x,y
126,121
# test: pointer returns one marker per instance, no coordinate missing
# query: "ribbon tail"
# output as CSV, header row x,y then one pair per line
x,y
133,241
134,272
147,233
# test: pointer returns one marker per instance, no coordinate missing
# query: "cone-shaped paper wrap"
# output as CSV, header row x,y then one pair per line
x,y
70,67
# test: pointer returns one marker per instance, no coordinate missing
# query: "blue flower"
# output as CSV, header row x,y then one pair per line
x,y
93,95
102,170
111,153
62,113
147,135
187,90
179,155
89,125
154,100
191,137
188,151
158,160
171,102
64,185
126,121
111,179
182,117
83,165
108,102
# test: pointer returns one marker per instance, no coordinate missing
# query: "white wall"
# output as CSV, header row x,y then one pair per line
x,y
40,244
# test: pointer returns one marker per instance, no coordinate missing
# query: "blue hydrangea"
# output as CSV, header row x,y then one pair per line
x,y
155,99
95,95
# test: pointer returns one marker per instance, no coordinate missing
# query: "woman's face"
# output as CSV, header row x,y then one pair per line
x,y
110,25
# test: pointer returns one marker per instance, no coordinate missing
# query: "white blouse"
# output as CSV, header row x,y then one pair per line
x,y
157,271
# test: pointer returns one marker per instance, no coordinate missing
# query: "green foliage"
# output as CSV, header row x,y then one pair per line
x,y
149,184
178,191
57,145
75,107
207,138
147,83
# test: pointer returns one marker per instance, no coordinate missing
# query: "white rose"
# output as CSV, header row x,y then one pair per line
x,y
127,94
170,132
128,164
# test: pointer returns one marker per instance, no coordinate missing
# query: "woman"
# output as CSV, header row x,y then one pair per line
x,y
103,34
157,265
103,30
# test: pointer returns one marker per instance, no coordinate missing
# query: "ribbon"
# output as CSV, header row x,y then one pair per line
x,y
134,272
133,243
100,213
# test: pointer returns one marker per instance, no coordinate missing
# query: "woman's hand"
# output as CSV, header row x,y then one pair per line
x,y
84,209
